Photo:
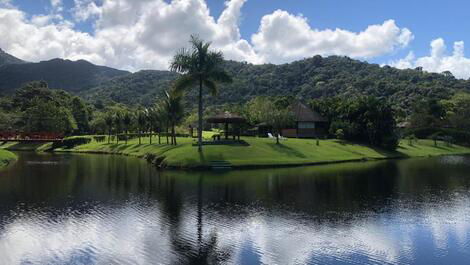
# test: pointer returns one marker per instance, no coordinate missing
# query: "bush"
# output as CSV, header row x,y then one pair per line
x,y
457,136
339,134
72,142
100,138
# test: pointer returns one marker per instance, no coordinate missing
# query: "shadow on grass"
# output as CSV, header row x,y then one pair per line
x,y
25,146
286,150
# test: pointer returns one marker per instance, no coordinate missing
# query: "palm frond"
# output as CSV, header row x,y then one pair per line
x,y
211,86
220,76
184,82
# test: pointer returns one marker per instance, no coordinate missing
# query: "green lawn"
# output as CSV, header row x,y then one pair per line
x,y
265,152
6,158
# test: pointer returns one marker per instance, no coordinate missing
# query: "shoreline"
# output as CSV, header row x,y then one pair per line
x,y
261,154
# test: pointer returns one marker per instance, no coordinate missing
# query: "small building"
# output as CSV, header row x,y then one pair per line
x,y
308,123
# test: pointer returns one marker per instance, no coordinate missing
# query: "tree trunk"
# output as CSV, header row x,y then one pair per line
x,y
150,137
199,128
159,136
167,141
109,136
140,136
277,136
173,132
127,132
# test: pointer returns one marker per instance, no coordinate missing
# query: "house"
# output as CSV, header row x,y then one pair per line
x,y
308,123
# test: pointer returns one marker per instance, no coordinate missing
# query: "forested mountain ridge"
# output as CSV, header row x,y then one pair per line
x,y
72,76
315,77
6,58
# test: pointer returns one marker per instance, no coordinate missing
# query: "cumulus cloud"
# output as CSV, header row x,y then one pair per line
x,y
439,60
142,34
283,37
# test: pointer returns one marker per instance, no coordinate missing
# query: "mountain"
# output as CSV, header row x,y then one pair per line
x,y
315,77
137,88
6,58
72,76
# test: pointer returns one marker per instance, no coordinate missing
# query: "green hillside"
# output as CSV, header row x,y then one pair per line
x,y
310,78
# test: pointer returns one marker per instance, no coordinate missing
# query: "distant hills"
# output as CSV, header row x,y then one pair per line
x,y
72,76
314,77
6,58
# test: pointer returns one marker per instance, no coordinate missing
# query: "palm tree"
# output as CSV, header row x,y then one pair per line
x,y
202,67
108,119
118,122
156,119
174,111
142,122
127,120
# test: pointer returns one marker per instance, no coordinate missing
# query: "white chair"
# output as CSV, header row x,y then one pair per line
x,y
271,136
282,138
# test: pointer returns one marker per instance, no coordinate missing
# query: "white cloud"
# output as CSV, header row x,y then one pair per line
x,y
283,37
439,60
142,34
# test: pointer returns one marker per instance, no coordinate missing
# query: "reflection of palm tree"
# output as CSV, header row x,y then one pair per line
x,y
200,252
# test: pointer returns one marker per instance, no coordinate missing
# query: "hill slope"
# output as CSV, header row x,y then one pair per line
x,y
72,76
6,58
137,88
310,78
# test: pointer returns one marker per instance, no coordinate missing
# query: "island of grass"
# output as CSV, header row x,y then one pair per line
x,y
263,152
6,158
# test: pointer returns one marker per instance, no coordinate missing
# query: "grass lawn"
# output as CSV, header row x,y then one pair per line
x,y
265,152
6,157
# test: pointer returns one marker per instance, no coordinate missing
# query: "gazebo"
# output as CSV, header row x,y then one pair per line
x,y
227,118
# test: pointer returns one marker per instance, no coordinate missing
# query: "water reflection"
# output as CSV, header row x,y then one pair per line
x,y
90,209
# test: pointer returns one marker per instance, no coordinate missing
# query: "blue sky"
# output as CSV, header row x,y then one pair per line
x,y
427,20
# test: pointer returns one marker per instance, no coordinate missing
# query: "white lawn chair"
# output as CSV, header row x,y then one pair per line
x,y
271,136
282,138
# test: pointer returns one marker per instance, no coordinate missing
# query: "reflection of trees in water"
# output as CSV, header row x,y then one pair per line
x,y
202,250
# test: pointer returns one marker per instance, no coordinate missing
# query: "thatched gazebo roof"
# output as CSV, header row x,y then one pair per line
x,y
226,117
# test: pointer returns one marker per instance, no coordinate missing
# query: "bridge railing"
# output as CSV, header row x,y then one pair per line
x,y
31,136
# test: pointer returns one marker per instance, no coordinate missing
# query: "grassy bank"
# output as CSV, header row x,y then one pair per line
x,y
265,152
6,158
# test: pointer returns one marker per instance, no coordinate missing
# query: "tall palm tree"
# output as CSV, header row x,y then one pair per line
x,y
202,67
108,119
127,121
174,111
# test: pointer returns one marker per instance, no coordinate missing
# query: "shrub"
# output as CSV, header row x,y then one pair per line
x,y
99,138
72,142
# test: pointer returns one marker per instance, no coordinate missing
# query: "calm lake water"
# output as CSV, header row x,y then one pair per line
x,y
94,209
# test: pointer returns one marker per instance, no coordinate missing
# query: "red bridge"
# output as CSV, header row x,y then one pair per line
x,y
31,137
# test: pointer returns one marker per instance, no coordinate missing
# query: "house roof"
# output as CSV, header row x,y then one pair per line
x,y
302,113
226,117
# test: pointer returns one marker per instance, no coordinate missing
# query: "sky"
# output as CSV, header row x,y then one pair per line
x,y
145,34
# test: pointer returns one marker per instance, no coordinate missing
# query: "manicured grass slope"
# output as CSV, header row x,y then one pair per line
x,y
265,152
6,157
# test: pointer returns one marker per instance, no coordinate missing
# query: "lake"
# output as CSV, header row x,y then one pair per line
x,y
103,209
